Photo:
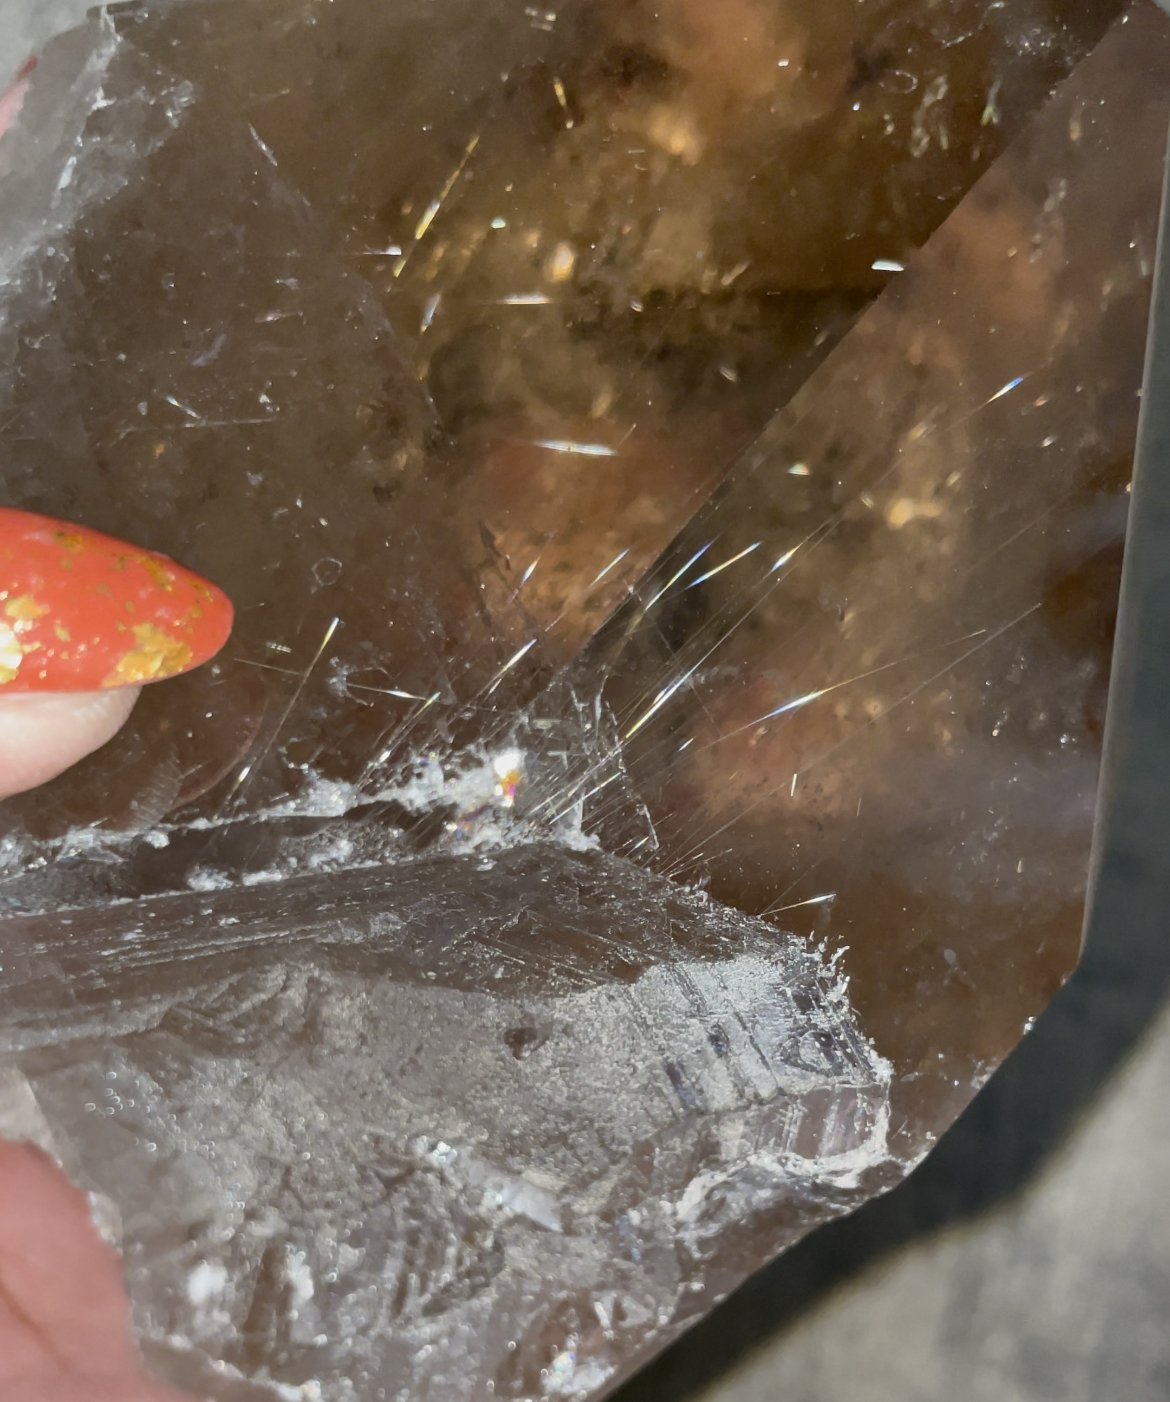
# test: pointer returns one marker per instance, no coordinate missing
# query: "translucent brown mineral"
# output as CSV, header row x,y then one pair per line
x,y
670,463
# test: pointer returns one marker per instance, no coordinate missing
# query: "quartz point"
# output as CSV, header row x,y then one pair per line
x,y
672,480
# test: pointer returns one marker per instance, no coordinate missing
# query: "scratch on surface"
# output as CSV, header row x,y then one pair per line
x,y
825,899
703,578
250,767
986,638
663,697
674,578
511,662
799,702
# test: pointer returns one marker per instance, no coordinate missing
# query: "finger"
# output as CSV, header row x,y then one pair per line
x,y
60,1284
88,1389
85,620
42,735
80,611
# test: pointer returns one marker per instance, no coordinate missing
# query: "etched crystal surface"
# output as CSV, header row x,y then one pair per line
x,y
672,478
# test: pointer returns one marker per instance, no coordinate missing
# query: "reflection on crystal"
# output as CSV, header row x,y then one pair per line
x,y
935,603
651,783
359,1147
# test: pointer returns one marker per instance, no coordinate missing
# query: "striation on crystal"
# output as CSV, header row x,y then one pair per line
x,y
672,480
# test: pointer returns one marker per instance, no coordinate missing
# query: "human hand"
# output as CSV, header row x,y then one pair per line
x,y
85,621
64,1322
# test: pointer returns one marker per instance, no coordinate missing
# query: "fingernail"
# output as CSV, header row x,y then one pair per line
x,y
81,611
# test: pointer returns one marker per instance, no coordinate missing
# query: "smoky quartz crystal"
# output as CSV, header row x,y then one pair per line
x,y
671,462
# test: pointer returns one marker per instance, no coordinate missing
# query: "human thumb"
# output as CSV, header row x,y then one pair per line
x,y
85,622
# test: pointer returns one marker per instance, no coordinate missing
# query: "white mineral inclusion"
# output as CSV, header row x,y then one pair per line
x,y
206,1283
299,1276
304,1392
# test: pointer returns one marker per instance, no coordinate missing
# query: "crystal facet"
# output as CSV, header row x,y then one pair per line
x,y
671,479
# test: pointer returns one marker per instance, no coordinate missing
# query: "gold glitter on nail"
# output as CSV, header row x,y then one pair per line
x,y
24,609
11,654
157,655
158,572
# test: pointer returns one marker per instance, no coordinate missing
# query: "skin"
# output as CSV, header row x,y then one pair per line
x,y
43,735
64,1320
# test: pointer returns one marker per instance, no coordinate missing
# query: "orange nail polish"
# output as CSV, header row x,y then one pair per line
x,y
81,611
